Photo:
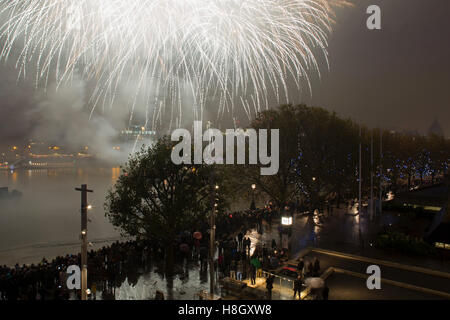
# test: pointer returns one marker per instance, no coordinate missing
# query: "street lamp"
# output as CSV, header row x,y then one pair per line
x,y
253,205
286,229
286,221
214,209
84,221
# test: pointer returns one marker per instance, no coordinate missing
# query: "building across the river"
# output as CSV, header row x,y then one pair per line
x,y
138,133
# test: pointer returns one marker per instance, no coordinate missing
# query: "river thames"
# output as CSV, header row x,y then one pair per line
x,y
45,220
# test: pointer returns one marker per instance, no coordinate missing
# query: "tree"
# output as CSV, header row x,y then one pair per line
x,y
317,155
439,154
278,187
154,197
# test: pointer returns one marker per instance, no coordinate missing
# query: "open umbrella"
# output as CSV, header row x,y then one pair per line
x,y
315,283
198,235
289,269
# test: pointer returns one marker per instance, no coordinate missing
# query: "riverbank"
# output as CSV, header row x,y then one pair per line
x,y
33,253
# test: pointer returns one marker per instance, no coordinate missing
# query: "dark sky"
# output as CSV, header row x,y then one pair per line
x,y
397,77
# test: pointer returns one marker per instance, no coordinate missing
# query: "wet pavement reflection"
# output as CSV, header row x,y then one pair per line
x,y
307,230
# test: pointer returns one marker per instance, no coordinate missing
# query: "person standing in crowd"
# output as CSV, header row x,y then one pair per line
x,y
297,286
196,250
269,286
265,251
240,238
310,269
301,265
235,246
239,270
316,267
259,268
94,291
233,270
220,262
252,274
203,257
325,292
247,245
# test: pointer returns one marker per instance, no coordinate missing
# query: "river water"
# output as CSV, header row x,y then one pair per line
x,y
45,221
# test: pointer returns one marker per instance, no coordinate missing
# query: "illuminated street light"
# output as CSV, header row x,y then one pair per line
x,y
253,205
286,221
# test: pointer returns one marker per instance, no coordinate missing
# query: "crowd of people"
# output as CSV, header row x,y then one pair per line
x,y
110,265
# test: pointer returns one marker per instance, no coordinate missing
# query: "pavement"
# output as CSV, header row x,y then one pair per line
x,y
403,276
340,231
395,274
281,290
345,287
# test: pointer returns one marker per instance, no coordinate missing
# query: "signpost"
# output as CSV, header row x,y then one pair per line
x,y
84,207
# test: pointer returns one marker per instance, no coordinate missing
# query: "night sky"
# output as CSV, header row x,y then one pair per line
x,y
397,77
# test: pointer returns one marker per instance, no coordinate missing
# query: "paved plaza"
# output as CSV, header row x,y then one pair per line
x,y
350,252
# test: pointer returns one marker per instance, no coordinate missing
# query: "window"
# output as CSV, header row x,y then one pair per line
x,y
442,245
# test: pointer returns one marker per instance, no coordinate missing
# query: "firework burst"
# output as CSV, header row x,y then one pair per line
x,y
230,51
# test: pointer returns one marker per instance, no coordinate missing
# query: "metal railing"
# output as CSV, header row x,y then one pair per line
x,y
283,287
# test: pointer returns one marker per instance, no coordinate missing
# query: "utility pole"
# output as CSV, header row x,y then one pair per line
x,y
212,237
381,172
360,175
371,175
360,189
212,234
84,207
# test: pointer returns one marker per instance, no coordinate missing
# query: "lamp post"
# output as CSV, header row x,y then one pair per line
x,y
253,205
84,208
286,224
212,238
286,221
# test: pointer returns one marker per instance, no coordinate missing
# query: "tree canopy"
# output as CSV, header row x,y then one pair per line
x,y
155,197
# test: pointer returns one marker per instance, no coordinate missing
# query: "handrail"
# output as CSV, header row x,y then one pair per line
x,y
266,275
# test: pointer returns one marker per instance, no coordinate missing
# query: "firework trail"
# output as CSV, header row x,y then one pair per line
x,y
233,52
